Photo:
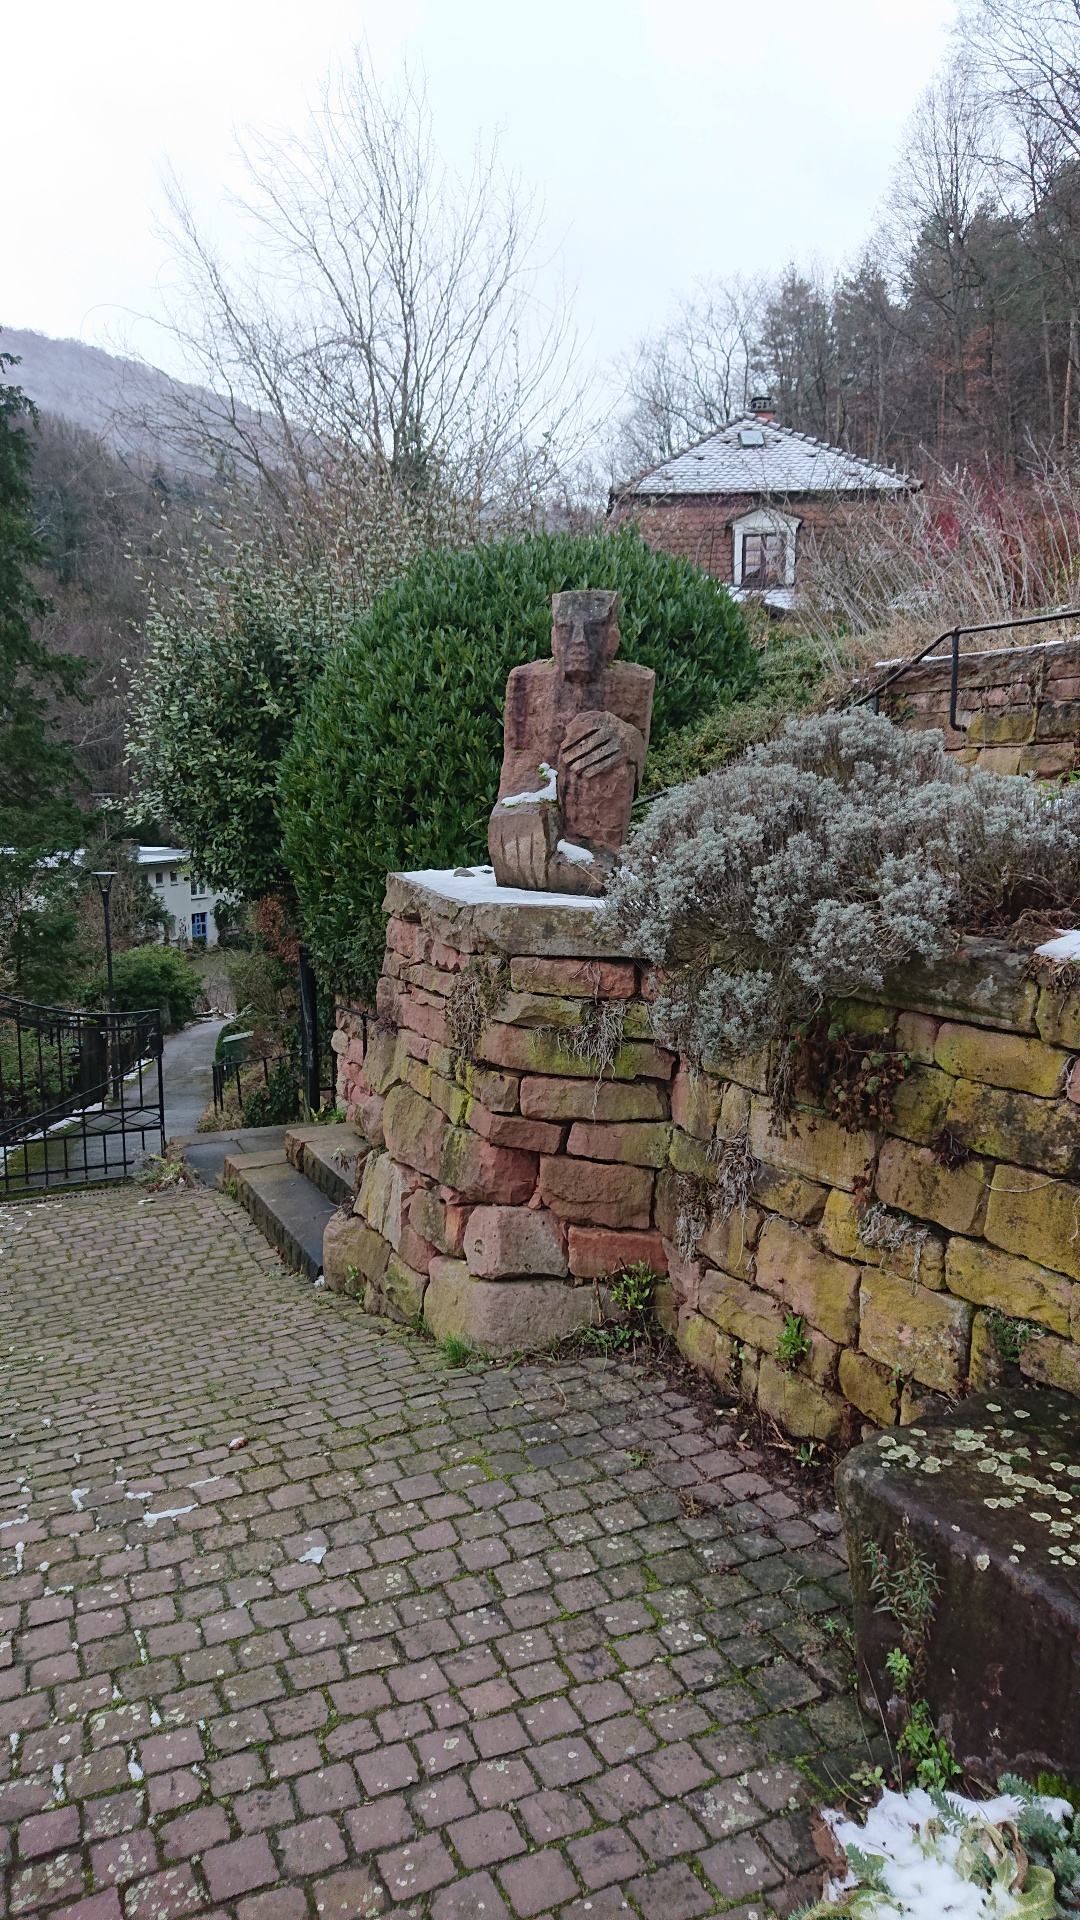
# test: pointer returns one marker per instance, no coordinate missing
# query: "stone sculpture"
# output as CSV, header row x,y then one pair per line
x,y
574,744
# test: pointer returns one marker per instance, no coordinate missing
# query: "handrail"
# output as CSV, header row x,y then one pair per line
x,y
954,635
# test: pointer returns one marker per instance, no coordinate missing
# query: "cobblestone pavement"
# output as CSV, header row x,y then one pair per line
x,y
475,1643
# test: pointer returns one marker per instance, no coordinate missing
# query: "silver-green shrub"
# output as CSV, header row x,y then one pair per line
x,y
820,861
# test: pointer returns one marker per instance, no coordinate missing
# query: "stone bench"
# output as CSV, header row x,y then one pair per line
x,y
990,1494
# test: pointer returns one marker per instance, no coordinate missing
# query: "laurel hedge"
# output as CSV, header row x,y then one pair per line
x,y
394,763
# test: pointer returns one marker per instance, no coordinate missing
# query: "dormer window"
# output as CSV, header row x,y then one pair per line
x,y
763,550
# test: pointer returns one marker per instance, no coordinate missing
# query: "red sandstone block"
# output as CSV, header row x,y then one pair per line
x,y
501,1242
579,979
367,1117
447,957
596,1252
416,1252
594,1194
407,937
475,1169
440,1221
546,1097
641,1143
512,1130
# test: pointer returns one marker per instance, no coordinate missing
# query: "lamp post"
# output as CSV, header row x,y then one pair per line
x,y
105,880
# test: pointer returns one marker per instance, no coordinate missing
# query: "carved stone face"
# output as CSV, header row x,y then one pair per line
x,y
585,633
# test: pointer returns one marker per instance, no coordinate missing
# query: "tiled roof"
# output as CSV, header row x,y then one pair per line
x,y
750,456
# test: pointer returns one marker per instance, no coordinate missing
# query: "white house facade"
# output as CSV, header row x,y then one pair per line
x,y
189,902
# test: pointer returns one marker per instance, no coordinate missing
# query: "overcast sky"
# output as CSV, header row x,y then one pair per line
x,y
669,139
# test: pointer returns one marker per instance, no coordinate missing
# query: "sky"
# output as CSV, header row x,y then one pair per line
x,y
668,140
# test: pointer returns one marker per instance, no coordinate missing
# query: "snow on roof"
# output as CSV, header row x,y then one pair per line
x,y
161,856
754,456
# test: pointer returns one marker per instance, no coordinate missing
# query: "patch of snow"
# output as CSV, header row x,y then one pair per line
x,y
577,856
1065,947
550,791
314,1557
167,1513
78,1495
917,1852
477,887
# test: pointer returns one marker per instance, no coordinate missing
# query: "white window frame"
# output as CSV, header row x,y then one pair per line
x,y
765,520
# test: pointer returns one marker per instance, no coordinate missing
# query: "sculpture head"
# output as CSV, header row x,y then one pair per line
x,y
585,632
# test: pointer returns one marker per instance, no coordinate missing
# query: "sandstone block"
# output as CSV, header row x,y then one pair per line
x,y
353,1253
729,1244
688,1155
916,1034
514,1129
665,1307
1000,1059
750,1070
597,1252
921,1260
407,937
398,1294
1002,727
922,1403
983,982
526,1050
593,1193
913,1179
381,1060
1049,760
999,759
1058,720
985,1368
392,1191
505,1242
478,1170
503,1317
449,958
442,1222
1028,1214
499,1091
910,1330
1052,1363
818,1285
581,979
416,1249
863,1019
869,1387
815,1146
701,1344
539,1010
695,1102
417,1074
797,1405
415,1130
735,1104
921,1104
1016,1126
981,1273
449,1097
615,1101
788,1193
685,1276
367,1118
1058,1017
640,1143
742,1311
637,1021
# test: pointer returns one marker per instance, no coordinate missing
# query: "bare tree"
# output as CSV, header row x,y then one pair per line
x,y
691,377
381,366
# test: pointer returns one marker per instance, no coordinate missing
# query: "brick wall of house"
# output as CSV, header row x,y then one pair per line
x,y
699,527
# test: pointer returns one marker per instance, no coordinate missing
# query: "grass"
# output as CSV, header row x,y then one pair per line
x,y
455,1351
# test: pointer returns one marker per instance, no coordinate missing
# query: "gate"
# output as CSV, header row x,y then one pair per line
x,y
81,1096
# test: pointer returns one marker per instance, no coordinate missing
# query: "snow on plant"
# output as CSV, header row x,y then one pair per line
x,y
938,1856
818,862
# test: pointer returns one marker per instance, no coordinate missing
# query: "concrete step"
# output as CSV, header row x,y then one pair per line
x,y
287,1209
207,1152
327,1156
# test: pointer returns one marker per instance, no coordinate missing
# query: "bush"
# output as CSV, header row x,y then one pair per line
x,y
821,860
395,761
149,977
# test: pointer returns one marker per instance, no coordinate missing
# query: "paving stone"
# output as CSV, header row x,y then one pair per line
x,y
376,1672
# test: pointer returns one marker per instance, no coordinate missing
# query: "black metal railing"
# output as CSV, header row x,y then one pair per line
x,y
274,1088
953,637
81,1095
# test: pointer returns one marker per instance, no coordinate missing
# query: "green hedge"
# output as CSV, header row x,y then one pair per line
x,y
149,977
395,760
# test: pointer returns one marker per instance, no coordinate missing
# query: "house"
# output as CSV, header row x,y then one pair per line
x,y
741,502
188,900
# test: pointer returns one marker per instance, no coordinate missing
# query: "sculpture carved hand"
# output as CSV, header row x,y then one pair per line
x,y
593,742
519,840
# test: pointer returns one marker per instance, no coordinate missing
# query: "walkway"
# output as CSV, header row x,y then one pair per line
x,y
186,1076
473,1644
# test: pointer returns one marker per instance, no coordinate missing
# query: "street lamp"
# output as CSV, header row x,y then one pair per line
x,y
105,880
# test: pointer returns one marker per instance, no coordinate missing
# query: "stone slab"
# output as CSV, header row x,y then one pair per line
x,y
473,914
286,1208
990,1494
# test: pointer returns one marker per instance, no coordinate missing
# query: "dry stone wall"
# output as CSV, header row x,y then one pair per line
x,y
1018,708
858,1284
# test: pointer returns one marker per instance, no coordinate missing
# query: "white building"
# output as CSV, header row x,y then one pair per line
x,y
188,901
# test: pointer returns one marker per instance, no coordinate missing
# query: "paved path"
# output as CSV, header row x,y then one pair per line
x,y
478,1644
186,1076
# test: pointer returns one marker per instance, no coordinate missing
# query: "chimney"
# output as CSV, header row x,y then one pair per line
x,y
763,408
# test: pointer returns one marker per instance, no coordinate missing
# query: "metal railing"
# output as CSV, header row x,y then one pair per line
x,y
81,1095
954,637
241,1075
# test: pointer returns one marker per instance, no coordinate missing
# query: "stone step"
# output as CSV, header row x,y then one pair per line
x,y
327,1156
286,1207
